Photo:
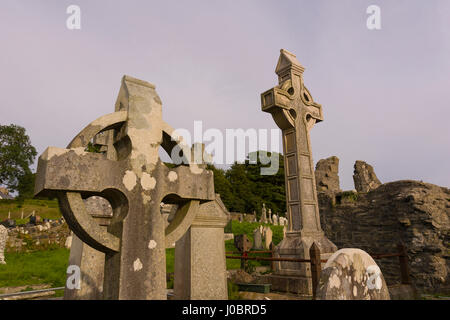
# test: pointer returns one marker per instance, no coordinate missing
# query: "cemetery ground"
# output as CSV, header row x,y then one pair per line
x,y
40,266
45,266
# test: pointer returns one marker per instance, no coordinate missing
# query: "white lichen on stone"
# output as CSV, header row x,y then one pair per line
x,y
374,281
129,180
195,169
335,282
152,244
172,176
51,152
137,265
145,198
79,151
147,181
145,144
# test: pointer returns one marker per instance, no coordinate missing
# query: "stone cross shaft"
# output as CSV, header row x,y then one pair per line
x,y
135,181
295,113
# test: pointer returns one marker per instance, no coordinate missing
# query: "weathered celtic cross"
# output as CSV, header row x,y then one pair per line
x,y
135,182
295,112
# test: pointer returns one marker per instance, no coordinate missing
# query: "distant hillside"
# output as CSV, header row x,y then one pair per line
x,y
47,209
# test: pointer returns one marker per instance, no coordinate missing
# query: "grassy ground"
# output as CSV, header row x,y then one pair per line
x,y
49,266
39,267
47,209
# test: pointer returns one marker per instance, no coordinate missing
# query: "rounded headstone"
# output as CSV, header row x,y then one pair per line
x,y
352,274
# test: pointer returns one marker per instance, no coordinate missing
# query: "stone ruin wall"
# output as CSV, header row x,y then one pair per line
x,y
40,237
416,213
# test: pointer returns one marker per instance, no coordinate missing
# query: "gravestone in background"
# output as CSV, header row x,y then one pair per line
x,y
257,239
267,238
263,218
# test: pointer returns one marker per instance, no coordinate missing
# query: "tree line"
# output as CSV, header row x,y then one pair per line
x,y
243,188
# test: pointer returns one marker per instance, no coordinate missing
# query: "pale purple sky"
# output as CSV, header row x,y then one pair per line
x,y
385,93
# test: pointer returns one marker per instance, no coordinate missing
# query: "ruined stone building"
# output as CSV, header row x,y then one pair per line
x,y
378,216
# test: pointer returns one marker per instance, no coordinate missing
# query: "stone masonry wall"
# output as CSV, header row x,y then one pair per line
x,y
41,237
416,213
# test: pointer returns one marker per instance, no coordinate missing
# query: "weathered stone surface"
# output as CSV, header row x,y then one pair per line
x,y
263,218
403,292
295,113
9,223
3,239
228,236
364,177
326,173
351,274
239,276
168,212
413,212
257,239
68,243
275,219
283,221
98,206
4,194
243,243
134,180
90,261
200,266
56,235
267,237
249,217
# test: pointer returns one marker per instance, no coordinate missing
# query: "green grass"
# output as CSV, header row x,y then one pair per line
x,y
47,209
49,266
39,267
170,260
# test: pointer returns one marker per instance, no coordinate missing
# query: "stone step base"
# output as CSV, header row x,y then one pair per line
x,y
290,284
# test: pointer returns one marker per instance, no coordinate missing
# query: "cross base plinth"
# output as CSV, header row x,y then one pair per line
x,y
295,277
290,284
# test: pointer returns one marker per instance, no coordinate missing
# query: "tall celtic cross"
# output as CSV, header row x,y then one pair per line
x,y
135,182
295,112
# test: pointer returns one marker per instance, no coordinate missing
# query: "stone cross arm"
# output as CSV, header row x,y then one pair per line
x,y
86,172
290,100
285,105
75,170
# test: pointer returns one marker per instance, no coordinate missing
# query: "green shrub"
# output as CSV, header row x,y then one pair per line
x,y
346,196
